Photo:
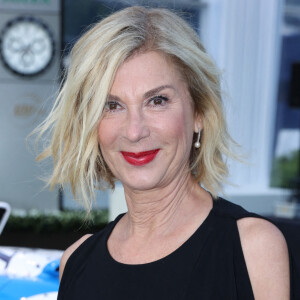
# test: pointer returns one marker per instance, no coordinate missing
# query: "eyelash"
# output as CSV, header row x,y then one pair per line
x,y
108,103
159,97
163,99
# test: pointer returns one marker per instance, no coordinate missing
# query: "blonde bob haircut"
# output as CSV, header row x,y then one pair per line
x,y
95,59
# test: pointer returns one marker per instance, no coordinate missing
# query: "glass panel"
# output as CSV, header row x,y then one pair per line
x,y
78,15
285,171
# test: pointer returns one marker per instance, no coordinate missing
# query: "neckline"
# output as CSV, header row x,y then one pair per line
x,y
185,245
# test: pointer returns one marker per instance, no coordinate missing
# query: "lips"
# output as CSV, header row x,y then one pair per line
x,y
140,158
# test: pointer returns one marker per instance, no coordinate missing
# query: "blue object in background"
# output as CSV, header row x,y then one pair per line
x,y
14,288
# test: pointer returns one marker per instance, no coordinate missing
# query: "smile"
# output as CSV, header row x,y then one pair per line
x,y
140,158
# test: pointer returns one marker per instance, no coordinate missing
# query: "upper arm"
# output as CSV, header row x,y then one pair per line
x,y
266,255
69,252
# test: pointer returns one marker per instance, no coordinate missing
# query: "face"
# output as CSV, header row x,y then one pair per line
x,y
146,131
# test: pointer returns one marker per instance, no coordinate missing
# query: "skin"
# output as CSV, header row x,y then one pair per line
x,y
165,204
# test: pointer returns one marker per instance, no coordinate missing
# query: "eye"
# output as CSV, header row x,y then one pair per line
x,y
158,100
112,106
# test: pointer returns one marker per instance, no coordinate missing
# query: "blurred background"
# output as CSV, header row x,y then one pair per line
x,y
255,43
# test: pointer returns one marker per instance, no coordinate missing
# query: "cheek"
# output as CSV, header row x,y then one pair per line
x,y
181,126
106,134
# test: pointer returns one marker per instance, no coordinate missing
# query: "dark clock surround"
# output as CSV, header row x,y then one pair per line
x,y
30,20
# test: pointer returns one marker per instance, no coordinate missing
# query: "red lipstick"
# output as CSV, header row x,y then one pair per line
x,y
140,158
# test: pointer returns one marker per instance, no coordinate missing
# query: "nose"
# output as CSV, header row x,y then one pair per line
x,y
136,127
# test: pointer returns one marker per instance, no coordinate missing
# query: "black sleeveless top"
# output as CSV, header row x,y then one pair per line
x,y
210,265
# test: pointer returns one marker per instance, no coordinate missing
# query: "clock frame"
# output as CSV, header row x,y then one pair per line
x,y
27,46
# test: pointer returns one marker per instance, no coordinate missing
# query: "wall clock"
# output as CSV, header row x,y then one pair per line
x,y
26,46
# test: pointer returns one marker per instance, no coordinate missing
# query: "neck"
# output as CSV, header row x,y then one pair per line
x,y
162,208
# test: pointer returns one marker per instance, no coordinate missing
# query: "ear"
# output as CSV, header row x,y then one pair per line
x,y
198,124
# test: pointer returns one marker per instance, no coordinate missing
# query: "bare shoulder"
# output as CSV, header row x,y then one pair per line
x,y
266,255
68,252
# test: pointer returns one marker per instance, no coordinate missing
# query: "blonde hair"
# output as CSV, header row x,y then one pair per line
x,y
95,58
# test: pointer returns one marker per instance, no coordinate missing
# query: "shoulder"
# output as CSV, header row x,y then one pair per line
x,y
68,252
266,255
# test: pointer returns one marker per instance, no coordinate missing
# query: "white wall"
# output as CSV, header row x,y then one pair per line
x,y
24,102
244,39
21,109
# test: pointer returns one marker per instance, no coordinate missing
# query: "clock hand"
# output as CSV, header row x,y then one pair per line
x,y
27,56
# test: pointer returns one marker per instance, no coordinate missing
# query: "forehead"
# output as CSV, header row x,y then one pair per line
x,y
145,71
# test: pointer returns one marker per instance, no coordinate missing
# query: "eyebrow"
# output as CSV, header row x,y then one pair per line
x,y
155,91
148,94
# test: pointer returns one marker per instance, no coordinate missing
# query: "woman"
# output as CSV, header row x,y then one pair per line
x,y
141,104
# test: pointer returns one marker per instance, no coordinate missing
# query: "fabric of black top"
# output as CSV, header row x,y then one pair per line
x,y
209,265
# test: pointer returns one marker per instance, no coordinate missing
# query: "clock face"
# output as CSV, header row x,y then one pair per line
x,y
26,46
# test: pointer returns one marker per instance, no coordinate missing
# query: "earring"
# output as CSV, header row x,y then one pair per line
x,y
197,144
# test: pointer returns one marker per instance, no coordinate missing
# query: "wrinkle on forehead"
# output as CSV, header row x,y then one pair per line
x,y
142,87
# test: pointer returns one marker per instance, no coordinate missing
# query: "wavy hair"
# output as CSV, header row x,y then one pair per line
x,y
95,58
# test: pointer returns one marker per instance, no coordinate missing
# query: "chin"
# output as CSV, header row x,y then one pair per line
x,y
141,183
